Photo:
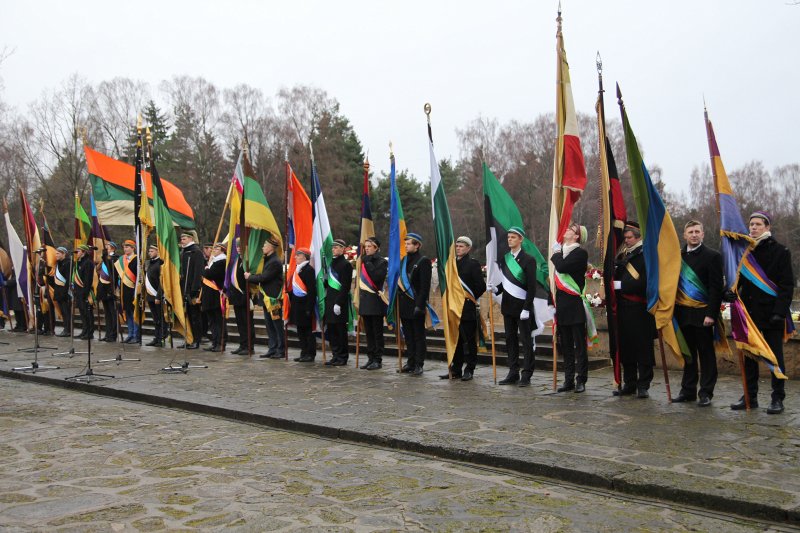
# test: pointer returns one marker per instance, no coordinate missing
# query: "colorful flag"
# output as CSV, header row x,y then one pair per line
x,y
33,242
569,169
367,229
167,242
113,184
321,240
300,227
19,257
99,233
660,245
397,238
83,224
50,261
737,259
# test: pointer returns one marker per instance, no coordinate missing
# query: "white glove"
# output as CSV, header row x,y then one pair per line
x,y
524,315
556,247
491,288
617,285
337,310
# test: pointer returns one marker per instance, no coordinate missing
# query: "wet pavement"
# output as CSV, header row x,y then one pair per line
x,y
732,462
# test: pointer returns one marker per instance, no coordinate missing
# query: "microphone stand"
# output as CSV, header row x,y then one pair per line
x,y
34,366
89,375
184,367
120,358
71,352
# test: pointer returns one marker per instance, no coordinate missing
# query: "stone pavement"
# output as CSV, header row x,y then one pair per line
x,y
76,462
734,462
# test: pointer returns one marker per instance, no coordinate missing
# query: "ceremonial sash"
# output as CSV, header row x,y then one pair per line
x,y
365,283
150,289
77,278
234,279
299,288
515,286
694,294
752,271
59,278
566,283
404,284
210,283
333,280
104,274
126,275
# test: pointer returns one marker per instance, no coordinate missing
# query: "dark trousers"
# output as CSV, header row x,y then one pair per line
x,y
774,338
517,330
87,317
636,346
416,342
466,348
275,340
700,341
213,319
195,321
110,313
308,343
241,325
46,320
373,328
66,310
159,325
337,337
573,350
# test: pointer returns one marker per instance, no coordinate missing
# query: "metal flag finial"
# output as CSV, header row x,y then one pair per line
x,y
427,109
599,62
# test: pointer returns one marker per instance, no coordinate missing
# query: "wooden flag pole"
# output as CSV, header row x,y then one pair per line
x,y
555,355
397,334
494,352
322,331
744,380
664,364
358,338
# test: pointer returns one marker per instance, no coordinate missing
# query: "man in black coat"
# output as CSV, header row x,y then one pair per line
x,y
303,301
213,281
518,289
45,311
701,283
20,310
414,287
372,300
155,296
106,290
84,276
637,325
61,294
471,276
192,265
769,311
127,269
337,304
271,281
570,262
240,300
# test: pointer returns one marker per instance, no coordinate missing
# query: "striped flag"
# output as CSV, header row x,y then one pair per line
x,y
737,260
321,240
397,238
33,242
300,227
19,257
367,229
660,245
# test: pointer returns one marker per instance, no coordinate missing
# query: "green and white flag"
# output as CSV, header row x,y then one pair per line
x,y
321,241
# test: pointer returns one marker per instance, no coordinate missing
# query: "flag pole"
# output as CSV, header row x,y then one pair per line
x,y
245,262
222,216
664,364
397,334
286,251
316,304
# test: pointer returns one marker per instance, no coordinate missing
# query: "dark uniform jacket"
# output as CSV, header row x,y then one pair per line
x,y
105,291
271,276
85,273
632,294
303,306
511,305
61,292
192,265
707,264
369,303
237,297
776,261
215,273
153,275
469,270
344,272
418,272
569,308
128,293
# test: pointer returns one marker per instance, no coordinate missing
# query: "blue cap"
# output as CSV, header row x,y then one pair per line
x,y
62,250
516,229
113,244
415,236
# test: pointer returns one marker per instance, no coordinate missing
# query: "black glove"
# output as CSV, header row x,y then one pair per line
x,y
776,320
419,311
729,296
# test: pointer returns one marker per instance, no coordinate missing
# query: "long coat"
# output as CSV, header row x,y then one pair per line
x,y
707,264
271,276
192,265
215,273
61,292
235,296
302,307
85,273
418,271
776,261
371,304
632,296
344,272
469,270
511,305
569,308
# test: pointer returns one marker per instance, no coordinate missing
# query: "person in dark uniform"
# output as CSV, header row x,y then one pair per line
x,y
570,262
638,325
208,253
241,304
17,304
61,294
271,281
697,312
303,300
106,290
155,296
337,304
769,310
471,276
372,301
213,280
192,265
127,272
518,289
84,276
414,286
45,310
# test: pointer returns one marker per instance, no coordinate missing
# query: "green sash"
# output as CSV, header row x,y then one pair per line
x,y
515,269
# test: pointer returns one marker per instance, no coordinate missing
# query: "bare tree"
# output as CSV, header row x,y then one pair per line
x,y
117,104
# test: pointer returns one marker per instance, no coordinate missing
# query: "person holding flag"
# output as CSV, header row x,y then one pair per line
x,y
372,300
766,292
155,296
337,304
213,280
106,290
45,312
270,280
518,289
192,264
240,302
466,352
61,294
414,284
127,269
572,312
303,300
84,275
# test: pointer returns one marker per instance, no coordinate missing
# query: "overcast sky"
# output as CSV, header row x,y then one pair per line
x,y
384,60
